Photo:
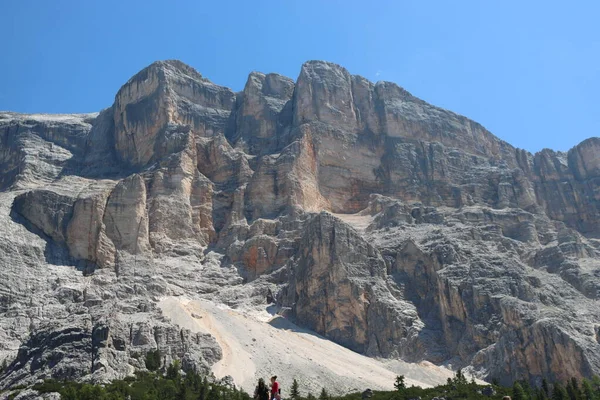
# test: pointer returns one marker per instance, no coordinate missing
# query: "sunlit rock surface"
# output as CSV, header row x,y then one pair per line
x,y
390,226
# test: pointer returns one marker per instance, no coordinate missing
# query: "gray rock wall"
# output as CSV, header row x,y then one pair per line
x,y
448,244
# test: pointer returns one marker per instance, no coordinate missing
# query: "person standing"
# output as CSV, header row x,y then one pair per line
x,y
261,392
275,391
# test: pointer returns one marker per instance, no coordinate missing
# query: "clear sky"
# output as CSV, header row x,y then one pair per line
x,y
529,71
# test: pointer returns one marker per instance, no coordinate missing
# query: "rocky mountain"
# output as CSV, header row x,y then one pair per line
x,y
390,226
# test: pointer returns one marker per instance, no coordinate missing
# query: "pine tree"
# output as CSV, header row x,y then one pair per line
x,y
573,389
294,392
460,379
545,387
193,380
214,393
518,393
559,392
588,390
596,383
399,384
153,360
173,370
324,395
311,397
526,388
204,387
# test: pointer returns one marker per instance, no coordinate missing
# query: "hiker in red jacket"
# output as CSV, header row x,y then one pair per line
x,y
275,391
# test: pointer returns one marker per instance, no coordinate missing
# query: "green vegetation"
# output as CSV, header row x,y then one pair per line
x,y
459,388
147,386
399,385
171,384
153,360
295,391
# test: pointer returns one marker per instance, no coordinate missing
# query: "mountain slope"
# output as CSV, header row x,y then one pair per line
x,y
258,344
392,227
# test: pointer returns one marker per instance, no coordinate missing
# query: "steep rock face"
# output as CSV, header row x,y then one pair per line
x,y
338,289
106,347
466,272
74,218
126,218
326,92
287,180
544,348
166,92
261,119
584,158
566,184
39,147
448,245
378,138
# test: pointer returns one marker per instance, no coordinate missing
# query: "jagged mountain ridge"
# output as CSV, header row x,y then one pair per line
x,y
467,251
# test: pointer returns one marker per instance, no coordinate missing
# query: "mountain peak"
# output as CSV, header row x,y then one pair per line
x,y
164,70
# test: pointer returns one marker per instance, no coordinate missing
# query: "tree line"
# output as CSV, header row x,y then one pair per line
x,y
170,383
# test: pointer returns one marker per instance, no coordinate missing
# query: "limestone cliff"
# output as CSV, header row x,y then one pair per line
x,y
393,227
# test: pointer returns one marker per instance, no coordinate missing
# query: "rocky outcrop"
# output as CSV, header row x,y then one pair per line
x,y
166,93
565,184
38,148
106,348
338,288
264,113
327,93
446,243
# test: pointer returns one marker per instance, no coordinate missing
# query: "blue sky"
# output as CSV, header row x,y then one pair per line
x,y
529,71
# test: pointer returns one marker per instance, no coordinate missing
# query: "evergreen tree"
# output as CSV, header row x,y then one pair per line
x,y
70,393
153,360
518,393
588,390
460,379
400,387
4,366
295,392
173,385
559,392
596,383
324,395
203,389
193,380
545,387
527,388
399,384
167,389
173,370
145,386
573,389
214,393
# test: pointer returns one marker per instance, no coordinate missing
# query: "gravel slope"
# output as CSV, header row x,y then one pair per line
x,y
257,344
